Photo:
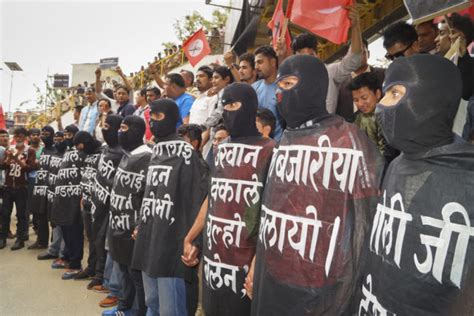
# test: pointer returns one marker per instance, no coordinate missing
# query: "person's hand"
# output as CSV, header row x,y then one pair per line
x,y
119,71
353,15
248,285
98,73
152,69
212,91
229,58
135,233
190,254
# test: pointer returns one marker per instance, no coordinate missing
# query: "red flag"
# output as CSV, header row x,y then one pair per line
x,y
326,18
2,118
196,47
278,25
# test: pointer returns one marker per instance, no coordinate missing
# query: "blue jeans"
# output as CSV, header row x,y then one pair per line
x,y
112,277
56,247
165,296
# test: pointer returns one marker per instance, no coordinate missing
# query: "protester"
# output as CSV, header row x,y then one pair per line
x,y
35,144
40,190
89,113
266,65
318,274
18,162
176,182
56,249
425,189
105,109
125,108
247,71
265,122
221,135
400,39
125,201
175,89
345,103
427,32
240,107
89,171
107,164
188,78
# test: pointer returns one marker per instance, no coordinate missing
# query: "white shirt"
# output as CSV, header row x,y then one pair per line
x,y
202,108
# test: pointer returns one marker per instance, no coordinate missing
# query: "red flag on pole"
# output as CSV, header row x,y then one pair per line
x,y
325,18
196,47
2,118
279,25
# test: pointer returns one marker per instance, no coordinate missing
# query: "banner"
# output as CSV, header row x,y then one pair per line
x,y
61,81
421,11
106,63
196,47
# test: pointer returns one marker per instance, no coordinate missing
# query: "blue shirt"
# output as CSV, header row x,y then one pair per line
x,y
184,102
126,110
88,118
266,94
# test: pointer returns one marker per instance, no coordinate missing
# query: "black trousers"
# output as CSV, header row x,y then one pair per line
x,y
92,259
99,230
73,236
132,286
191,281
17,196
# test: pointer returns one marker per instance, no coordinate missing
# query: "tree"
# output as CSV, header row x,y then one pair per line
x,y
191,23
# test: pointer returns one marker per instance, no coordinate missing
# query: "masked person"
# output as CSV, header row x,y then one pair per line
x,y
175,189
69,132
420,250
102,185
323,176
89,171
125,201
40,190
56,248
233,206
66,210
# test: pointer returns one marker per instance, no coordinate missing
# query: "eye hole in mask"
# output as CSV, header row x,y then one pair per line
x,y
287,82
393,95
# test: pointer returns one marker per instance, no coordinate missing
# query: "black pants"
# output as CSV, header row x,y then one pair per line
x,y
17,196
99,229
132,286
92,259
73,236
191,280
29,206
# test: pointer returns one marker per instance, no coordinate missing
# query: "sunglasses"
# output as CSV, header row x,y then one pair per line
x,y
398,54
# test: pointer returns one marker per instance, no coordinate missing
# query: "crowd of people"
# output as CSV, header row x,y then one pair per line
x,y
273,173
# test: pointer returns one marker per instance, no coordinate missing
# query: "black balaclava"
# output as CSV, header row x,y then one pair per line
x,y
48,141
60,146
166,126
240,123
111,134
307,99
424,116
73,130
90,144
34,131
133,137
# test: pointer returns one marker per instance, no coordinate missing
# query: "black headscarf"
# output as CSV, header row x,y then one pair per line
x,y
424,116
73,130
111,134
48,141
307,99
60,146
240,123
166,126
90,144
133,137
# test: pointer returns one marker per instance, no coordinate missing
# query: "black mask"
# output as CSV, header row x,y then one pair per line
x,y
61,147
48,141
307,99
111,134
133,137
90,145
166,126
424,116
240,123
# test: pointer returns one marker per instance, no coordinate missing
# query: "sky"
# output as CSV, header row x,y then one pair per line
x,y
48,36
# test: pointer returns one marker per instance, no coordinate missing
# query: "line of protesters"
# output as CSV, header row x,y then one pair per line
x,y
288,208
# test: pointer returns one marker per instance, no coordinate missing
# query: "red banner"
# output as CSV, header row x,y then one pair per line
x,y
278,25
196,47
